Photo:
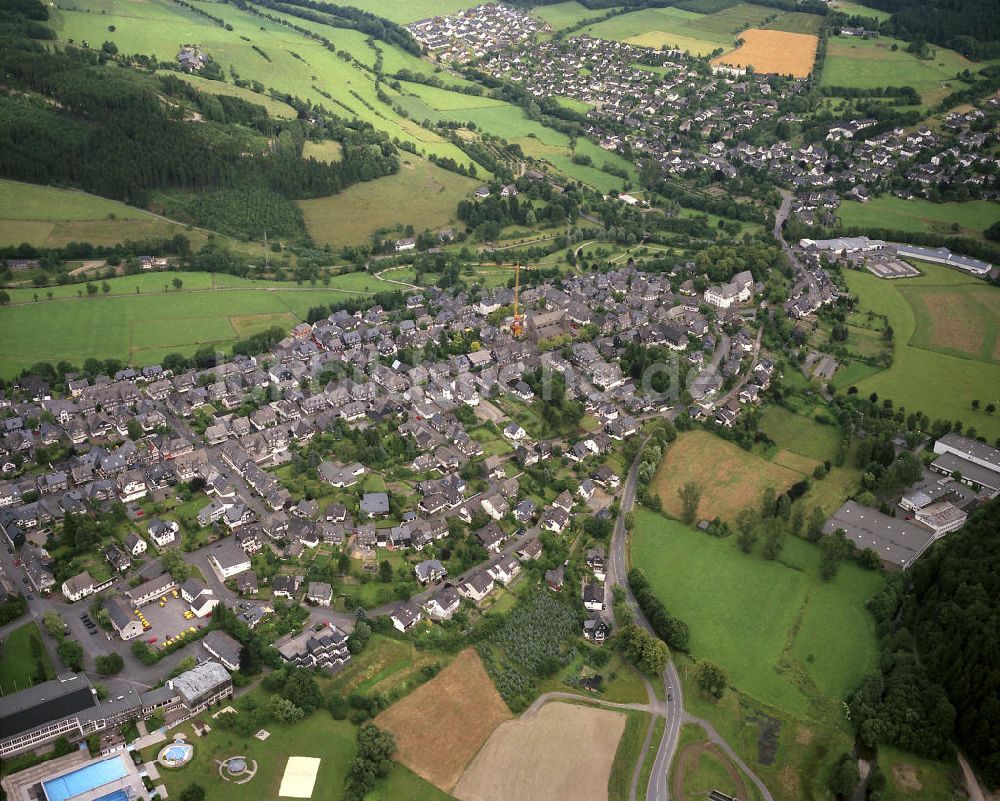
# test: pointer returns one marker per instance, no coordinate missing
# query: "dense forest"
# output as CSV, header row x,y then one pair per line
x,y
939,674
77,118
338,16
972,27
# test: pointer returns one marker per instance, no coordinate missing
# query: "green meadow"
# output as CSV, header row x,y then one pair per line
x,y
945,352
275,108
785,637
856,9
47,217
511,123
562,15
800,434
141,327
420,194
158,27
23,659
872,63
919,216
689,30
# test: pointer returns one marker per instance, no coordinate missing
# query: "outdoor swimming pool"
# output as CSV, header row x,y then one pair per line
x,y
85,779
117,795
175,754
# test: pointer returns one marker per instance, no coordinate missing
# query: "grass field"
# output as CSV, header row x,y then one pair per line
x,y
275,108
155,27
784,636
385,665
702,767
329,151
460,707
420,194
730,477
142,328
919,216
511,123
23,659
656,27
919,313
797,22
859,10
800,434
697,33
562,15
538,758
317,736
773,50
46,217
405,11
629,747
871,63
908,776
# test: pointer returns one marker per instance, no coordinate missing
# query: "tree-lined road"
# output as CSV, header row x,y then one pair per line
x,y
671,709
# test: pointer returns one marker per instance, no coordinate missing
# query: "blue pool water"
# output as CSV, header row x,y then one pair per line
x,y
85,779
177,753
117,795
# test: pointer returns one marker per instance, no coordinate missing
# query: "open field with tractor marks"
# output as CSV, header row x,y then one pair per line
x,y
538,758
773,51
459,707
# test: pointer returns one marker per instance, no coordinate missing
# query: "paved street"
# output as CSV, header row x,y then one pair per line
x,y
672,709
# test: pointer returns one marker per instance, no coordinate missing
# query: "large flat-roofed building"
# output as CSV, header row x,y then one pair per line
x,y
64,707
77,777
898,543
976,461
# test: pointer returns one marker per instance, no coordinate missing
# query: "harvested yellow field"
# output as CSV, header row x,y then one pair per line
x,y
730,477
440,726
564,751
770,51
660,39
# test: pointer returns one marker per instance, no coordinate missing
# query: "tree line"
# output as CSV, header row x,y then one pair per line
x,y
938,680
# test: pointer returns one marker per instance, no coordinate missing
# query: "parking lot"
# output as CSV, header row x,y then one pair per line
x,y
168,620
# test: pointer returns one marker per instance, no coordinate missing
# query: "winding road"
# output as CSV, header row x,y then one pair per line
x,y
672,709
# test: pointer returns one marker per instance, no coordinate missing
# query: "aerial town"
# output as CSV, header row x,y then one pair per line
x,y
486,401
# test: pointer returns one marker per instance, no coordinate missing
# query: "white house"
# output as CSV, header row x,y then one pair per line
x,y
135,544
406,617
477,586
78,587
163,532
229,559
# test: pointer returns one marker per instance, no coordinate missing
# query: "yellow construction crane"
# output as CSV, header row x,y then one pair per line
x,y
517,324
